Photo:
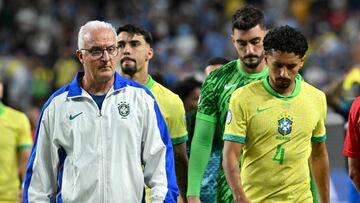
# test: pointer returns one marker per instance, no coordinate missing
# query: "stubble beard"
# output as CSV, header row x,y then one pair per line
x,y
255,64
129,70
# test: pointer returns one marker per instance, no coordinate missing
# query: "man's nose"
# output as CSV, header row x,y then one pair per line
x,y
106,55
127,49
283,72
250,48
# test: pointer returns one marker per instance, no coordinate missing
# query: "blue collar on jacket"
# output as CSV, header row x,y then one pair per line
x,y
75,88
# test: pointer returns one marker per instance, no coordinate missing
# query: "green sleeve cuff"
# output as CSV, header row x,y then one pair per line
x,y
205,117
234,138
23,147
318,139
179,140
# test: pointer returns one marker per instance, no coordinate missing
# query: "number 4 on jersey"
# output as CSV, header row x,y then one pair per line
x,y
279,154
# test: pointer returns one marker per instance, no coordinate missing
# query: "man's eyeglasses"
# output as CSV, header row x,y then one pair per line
x,y
97,52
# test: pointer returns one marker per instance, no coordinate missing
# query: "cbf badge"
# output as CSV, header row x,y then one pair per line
x,y
124,109
285,125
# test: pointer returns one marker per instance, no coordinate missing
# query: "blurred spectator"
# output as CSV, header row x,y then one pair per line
x,y
65,67
215,63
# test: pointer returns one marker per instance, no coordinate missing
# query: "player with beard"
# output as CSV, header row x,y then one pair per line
x,y
248,31
135,51
278,125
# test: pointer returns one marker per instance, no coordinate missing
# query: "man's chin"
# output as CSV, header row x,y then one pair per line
x,y
105,75
252,65
128,70
283,86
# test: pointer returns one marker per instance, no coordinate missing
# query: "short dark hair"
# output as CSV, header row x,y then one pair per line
x,y
136,30
285,39
248,17
217,61
185,87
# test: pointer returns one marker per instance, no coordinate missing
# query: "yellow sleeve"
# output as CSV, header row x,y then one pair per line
x,y
177,123
319,133
235,127
24,133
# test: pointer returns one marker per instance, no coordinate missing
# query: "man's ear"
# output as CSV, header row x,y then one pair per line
x,y
149,54
266,60
302,62
79,55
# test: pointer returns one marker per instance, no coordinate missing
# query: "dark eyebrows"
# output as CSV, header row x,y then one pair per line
x,y
289,66
131,42
246,41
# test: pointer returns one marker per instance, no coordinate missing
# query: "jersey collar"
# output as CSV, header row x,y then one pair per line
x,y
295,92
251,75
75,88
150,83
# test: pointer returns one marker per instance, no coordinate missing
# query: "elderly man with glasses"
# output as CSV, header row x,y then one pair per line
x,y
101,136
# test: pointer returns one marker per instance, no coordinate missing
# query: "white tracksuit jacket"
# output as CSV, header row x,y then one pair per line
x,y
83,154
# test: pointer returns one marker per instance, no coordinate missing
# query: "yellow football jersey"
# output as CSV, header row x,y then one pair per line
x,y
276,133
15,135
172,109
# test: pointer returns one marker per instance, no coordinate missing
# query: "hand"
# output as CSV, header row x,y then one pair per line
x,y
193,199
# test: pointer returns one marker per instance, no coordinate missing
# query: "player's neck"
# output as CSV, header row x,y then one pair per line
x,y
284,92
95,87
140,77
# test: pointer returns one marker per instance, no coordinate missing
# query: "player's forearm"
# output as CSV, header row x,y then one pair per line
x,y
181,167
232,171
199,158
199,155
354,172
23,158
320,168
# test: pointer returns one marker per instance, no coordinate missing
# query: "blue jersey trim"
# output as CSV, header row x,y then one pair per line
x,y
62,156
173,191
29,170
234,138
119,82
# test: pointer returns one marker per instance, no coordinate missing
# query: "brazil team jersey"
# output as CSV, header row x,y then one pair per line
x,y
172,109
277,132
216,92
15,135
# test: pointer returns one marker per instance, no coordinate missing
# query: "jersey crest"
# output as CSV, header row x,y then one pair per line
x,y
124,109
285,125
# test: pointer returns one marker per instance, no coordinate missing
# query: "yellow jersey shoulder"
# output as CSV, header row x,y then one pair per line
x,y
173,111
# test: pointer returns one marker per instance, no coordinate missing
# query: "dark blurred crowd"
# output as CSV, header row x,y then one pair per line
x,y
38,38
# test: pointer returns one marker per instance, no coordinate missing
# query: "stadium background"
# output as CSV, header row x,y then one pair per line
x,y
38,43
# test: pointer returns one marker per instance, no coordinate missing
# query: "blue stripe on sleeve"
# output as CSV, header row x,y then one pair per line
x,y
62,156
173,190
29,170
